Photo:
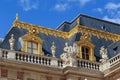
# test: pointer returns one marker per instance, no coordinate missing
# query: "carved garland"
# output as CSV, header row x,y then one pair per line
x,y
67,35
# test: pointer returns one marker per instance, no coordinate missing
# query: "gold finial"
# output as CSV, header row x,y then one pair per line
x,y
78,21
17,16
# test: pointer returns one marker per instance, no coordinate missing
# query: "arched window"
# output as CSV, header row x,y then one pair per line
x,y
85,52
32,47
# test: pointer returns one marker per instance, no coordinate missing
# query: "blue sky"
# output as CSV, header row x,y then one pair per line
x,y
51,13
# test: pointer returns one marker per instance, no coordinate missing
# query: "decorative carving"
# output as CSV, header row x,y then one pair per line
x,y
53,49
67,35
69,55
103,53
12,42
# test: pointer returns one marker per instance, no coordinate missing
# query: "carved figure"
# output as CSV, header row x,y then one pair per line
x,y
11,42
103,53
69,54
53,49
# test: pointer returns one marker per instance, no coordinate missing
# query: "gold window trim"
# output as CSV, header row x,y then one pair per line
x,y
86,41
32,36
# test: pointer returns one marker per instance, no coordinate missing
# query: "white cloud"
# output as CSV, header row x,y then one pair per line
x,y
66,4
111,12
111,5
116,20
82,2
100,10
61,7
29,4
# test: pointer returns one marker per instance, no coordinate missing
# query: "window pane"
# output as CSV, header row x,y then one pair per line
x,y
34,45
87,50
34,51
83,49
29,44
29,50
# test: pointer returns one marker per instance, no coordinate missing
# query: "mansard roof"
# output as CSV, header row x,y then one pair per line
x,y
103,33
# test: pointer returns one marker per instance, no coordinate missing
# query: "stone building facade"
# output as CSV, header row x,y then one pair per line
x,y
85,49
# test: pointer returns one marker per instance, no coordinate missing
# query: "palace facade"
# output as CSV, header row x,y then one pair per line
x,y
85,49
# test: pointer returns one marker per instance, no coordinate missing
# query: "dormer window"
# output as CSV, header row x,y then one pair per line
x,y
32,42
103,28
86,48
32,47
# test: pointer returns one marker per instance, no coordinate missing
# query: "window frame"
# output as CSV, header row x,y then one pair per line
x,y
85,52
31,48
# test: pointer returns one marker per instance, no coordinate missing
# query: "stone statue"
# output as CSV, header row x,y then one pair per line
x,y
53,49
69,55
103,53
12,42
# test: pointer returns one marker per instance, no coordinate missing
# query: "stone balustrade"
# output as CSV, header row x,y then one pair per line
x,y
115,60
30,58
51,61
88,64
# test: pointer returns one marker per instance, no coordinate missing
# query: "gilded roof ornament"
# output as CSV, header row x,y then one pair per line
x,y
78,21
17,16
67,35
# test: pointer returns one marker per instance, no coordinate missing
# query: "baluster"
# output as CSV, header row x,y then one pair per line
x,y
31,59
21,57
42,60
17,56
85,65
81,64
28,58
88,66
78,63
35,59
61,63
6,54
45,61
49,62
93,66
98,67
25,58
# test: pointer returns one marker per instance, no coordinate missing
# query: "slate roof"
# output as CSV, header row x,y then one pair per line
x,y
67,26
1,40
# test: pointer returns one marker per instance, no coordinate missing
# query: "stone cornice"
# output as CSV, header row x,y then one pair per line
x,y
84,72
30,67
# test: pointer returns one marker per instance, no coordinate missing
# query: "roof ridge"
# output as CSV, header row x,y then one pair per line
x,y
100,19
